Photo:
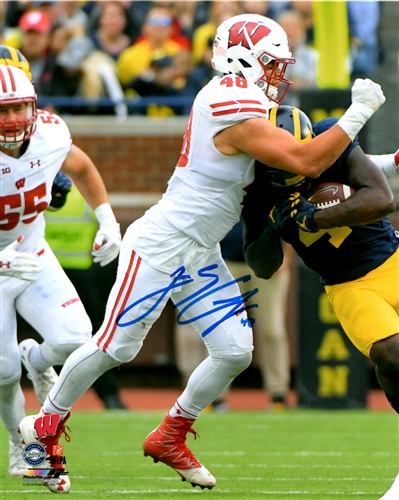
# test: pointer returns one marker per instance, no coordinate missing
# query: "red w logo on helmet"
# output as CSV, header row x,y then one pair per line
x,y
255,32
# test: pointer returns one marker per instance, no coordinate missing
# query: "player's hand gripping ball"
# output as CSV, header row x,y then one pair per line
x,y
293,209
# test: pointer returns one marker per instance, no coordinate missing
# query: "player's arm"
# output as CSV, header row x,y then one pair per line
x,y
263,253
262,245
388,163
80,168
372,200
277,148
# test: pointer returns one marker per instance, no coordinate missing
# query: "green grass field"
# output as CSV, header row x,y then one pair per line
x,y
297,454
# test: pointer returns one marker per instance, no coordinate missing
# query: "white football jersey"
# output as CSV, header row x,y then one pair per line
x,y
205,193
25,182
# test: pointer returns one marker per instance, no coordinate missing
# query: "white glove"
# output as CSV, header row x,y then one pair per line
x,y
108,238
18,264
367,97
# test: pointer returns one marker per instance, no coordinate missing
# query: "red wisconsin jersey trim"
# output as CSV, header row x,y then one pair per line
x,y
238,106
120,302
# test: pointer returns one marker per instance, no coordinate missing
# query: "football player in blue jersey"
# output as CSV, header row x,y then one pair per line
x,y
352,246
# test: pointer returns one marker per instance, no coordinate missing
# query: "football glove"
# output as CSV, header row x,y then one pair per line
x,y
279,215
108,238
16,264
302,212
59,191
367,97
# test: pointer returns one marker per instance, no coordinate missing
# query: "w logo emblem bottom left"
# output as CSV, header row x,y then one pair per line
x,y
47,425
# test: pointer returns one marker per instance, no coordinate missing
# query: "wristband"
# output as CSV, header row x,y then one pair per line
x,y
354,118
104,214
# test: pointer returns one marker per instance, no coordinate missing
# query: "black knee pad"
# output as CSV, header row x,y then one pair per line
x,y
393,401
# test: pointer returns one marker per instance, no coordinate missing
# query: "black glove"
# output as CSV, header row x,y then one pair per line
x,y
59,191
279,215
302,212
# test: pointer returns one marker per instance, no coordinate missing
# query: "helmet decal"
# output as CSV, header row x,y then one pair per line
x,y
243,31
246,45
10,86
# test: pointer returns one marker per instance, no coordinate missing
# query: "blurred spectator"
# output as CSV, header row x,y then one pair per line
x,y
136,11
202,73
35,42
166,76
12,13
219,12
364,18
157,79
303,73
35,28
73,17
188,16
264,8
58,39
52,9
110,36
305,9
276,8
155,43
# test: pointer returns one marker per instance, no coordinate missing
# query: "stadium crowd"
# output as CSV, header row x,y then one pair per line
x,y
123,50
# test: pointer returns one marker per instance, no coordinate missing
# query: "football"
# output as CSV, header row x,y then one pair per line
x,y
328,194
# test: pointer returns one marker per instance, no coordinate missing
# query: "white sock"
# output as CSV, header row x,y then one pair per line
x,y
208,381
80,370
12,408
178,411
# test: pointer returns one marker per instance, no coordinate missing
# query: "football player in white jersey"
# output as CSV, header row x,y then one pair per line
x,y
173,250
34,146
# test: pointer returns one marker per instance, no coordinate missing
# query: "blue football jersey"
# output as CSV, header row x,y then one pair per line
x,y
338,254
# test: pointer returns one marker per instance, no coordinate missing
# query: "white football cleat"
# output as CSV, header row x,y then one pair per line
x,y
17,465
47,429
393,492
42,381
60,485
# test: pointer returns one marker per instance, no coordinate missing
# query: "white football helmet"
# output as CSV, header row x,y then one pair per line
x,y
246,44
16,88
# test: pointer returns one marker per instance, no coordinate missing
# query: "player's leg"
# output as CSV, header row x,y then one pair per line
x,y
221,320
94,286
368,310
52,306
385,355
119,340
12,401
213,305
190,351
271,337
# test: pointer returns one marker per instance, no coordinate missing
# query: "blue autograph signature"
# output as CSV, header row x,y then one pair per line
x,y
234,305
